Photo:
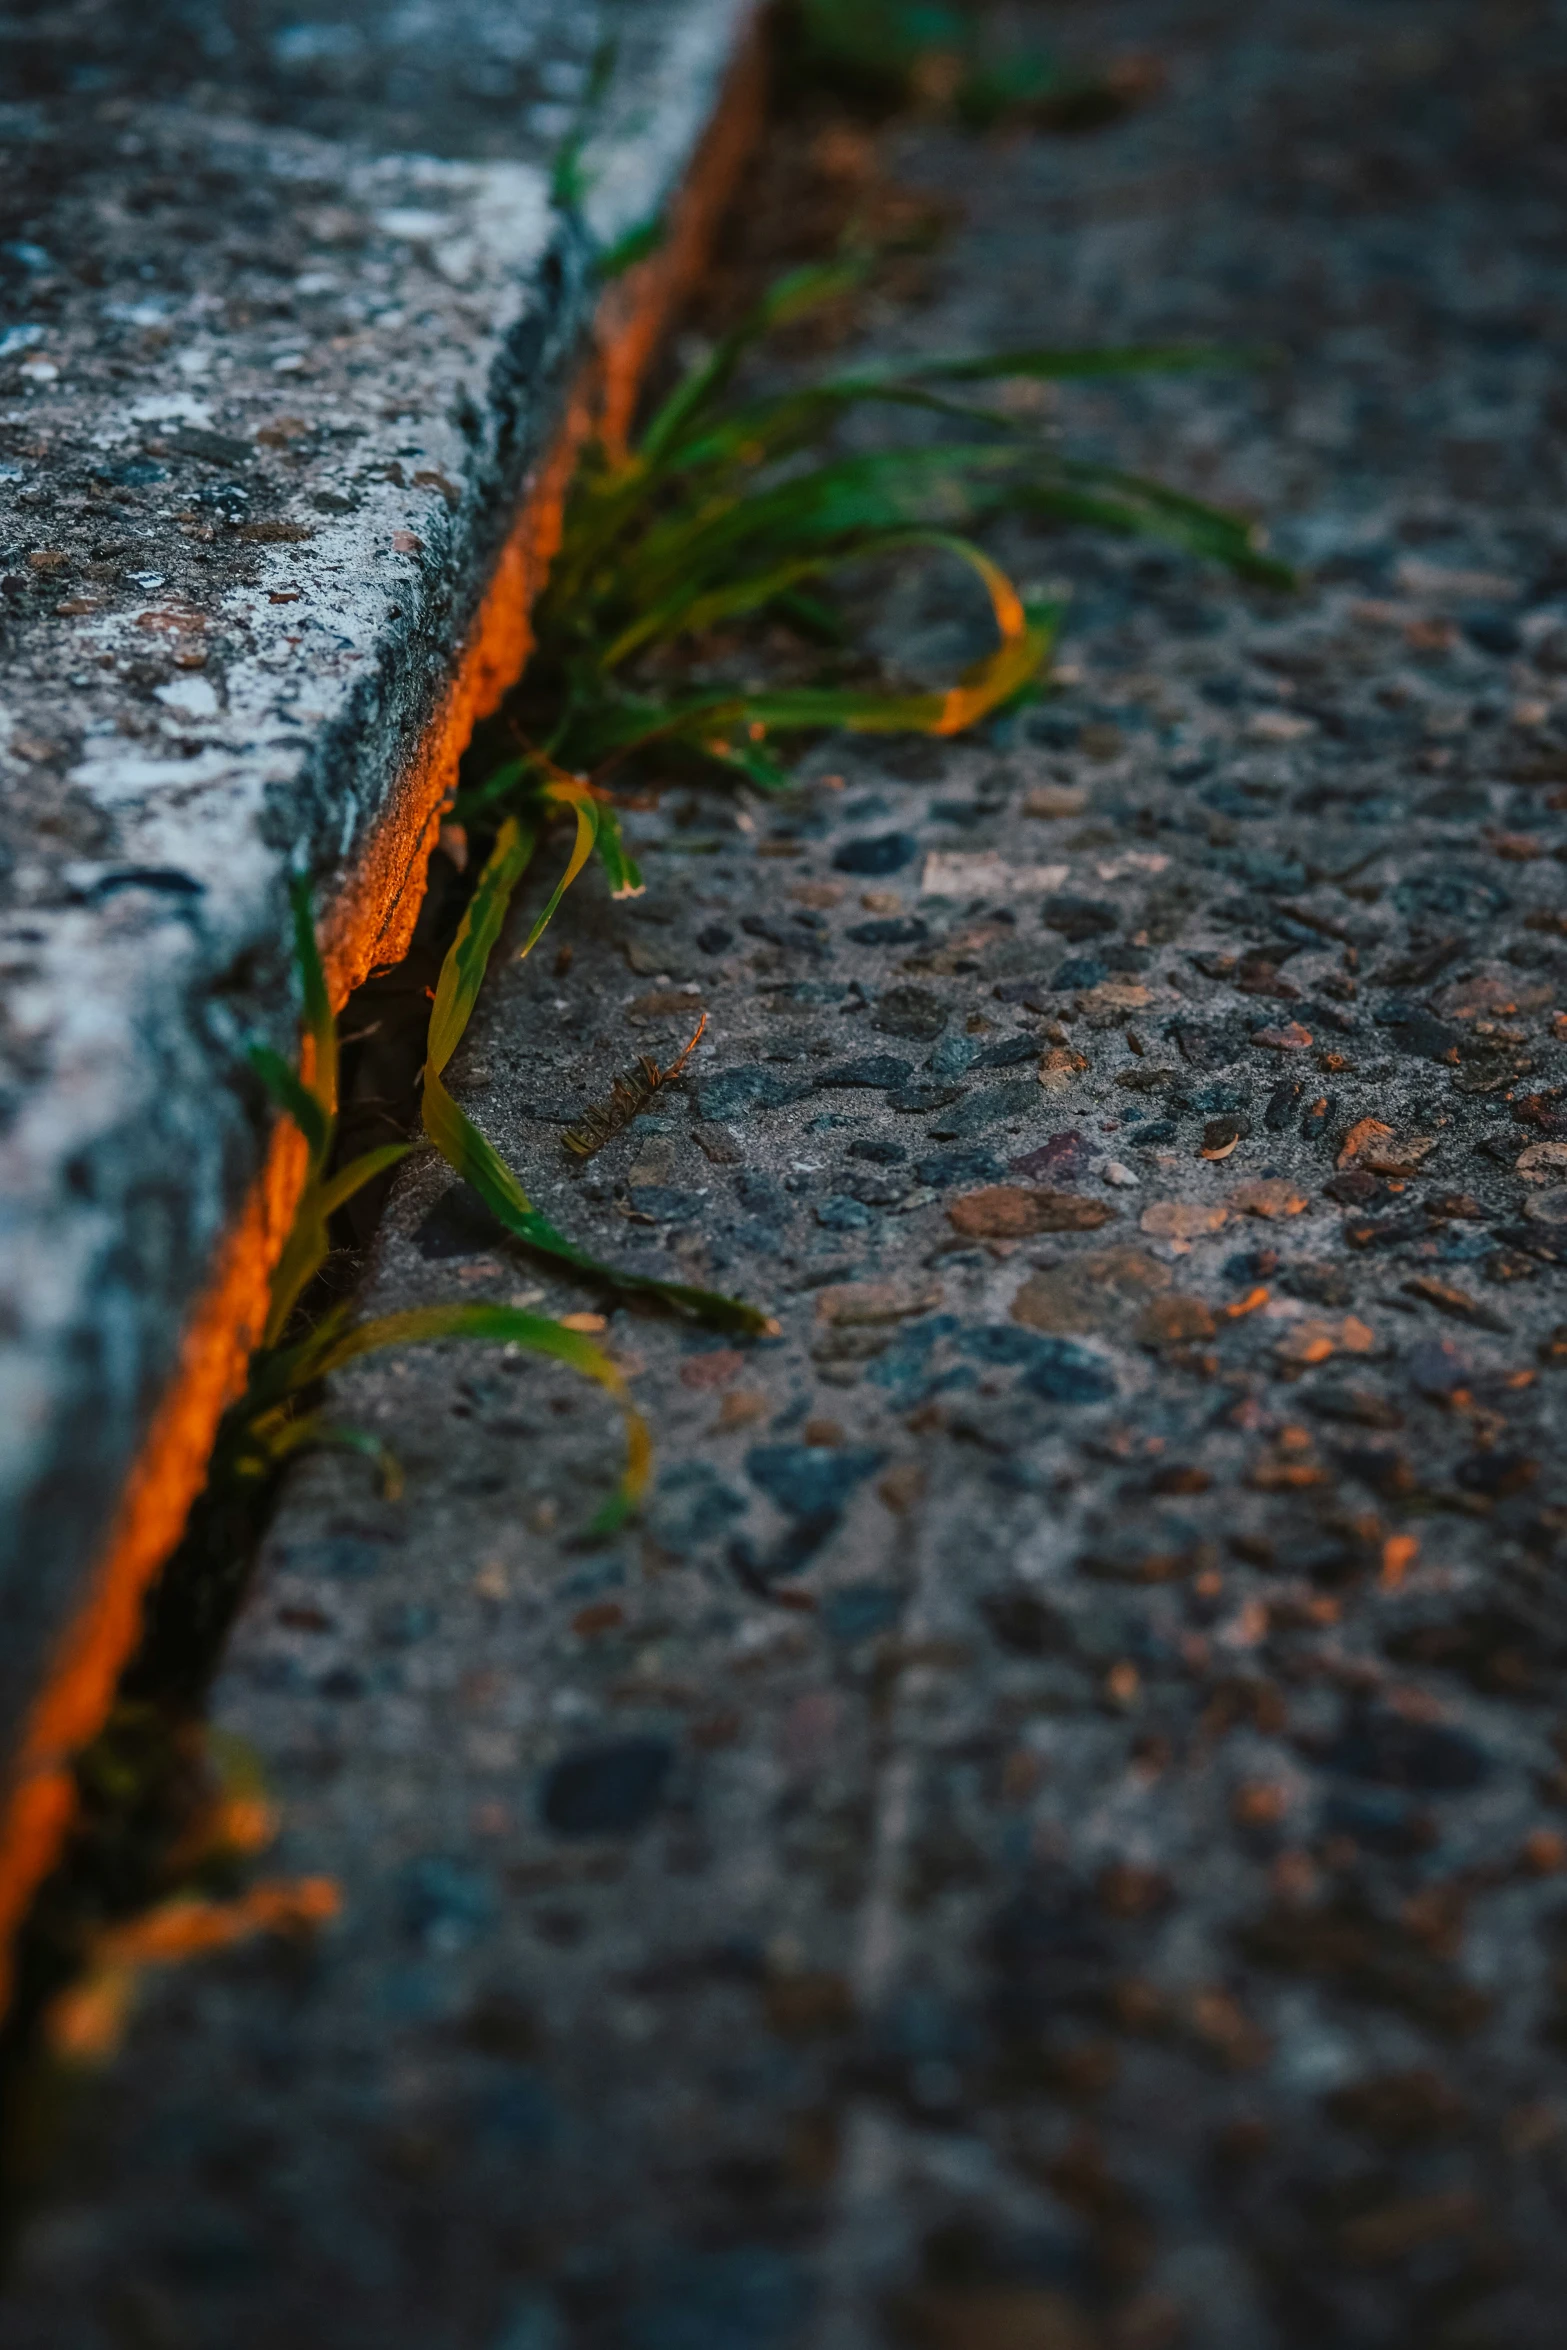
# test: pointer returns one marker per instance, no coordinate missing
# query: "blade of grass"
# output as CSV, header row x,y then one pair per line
x,y
313,1432
454,1133
793,297
462,972
424,1325
320,1027
725,509
467,1152
349,1180
290,1093
586,812
707,719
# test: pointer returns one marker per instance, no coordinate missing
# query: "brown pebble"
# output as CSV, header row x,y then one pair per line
x,y
1009,1211
902,1487
740,1408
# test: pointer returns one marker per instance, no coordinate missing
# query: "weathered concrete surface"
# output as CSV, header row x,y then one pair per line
x,y
288,320
1053,1835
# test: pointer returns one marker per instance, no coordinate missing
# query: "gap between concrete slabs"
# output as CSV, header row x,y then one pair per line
x,y
379,502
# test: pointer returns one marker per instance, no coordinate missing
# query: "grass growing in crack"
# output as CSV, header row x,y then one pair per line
x,y
169,1816
731,509
454,1133
726,510
277,1415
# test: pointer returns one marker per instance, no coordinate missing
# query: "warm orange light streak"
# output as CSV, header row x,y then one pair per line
x,y
86,2022
370,923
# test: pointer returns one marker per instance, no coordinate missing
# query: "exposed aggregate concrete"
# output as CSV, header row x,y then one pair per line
x,y
286,318
1051,1834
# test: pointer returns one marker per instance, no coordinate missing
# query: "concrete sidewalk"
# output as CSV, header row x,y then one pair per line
x,y
1051,1837
290,323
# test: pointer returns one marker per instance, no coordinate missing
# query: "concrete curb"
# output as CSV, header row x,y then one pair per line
x,y
319,564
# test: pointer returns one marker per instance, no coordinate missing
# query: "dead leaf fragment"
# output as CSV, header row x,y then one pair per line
x,y
1291,1038
1014,1211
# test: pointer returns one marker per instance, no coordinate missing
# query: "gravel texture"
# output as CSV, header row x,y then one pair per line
x,y
286,318
1051,1834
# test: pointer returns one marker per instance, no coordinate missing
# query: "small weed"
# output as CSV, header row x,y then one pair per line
x,y
276,1416
729,513
730,510
452,1131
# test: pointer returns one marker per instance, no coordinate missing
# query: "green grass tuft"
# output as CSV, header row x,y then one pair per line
x,y
731,509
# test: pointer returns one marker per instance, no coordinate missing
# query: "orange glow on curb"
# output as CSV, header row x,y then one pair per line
x,y
369,924
86,2022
